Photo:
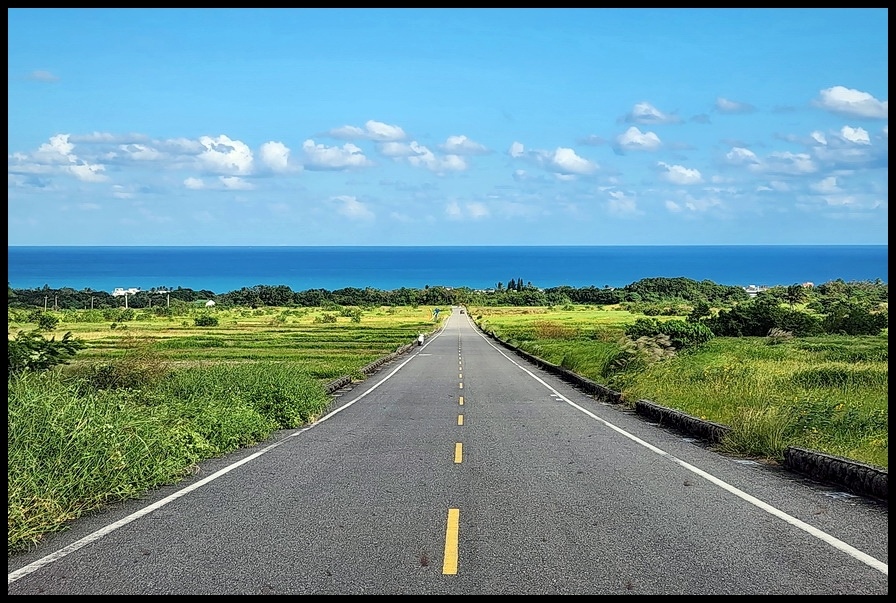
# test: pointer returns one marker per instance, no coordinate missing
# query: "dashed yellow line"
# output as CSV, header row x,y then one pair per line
x,y
458,453
449,563
460,400
460,419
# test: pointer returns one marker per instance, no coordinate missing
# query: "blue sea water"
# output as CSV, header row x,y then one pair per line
x,y
225,269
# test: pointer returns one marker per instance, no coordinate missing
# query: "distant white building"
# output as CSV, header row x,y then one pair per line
x,y
119,291
753,290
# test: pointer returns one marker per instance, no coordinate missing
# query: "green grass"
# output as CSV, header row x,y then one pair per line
x,y
146,401
827,394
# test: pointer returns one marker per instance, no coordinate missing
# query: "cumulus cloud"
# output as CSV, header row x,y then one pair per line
x,y
58,155
470,211
645,113
852,103
635,140
275,156
372,130
677,174
562,162
322,157
421,156
88,173
791,163
461,145
235,183
724,105
225,156
855,135
742,156
566,161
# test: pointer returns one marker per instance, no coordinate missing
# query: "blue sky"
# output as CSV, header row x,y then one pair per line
x,y
448,126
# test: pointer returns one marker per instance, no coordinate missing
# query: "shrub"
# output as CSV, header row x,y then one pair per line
x,y
29,351
206,320
682,334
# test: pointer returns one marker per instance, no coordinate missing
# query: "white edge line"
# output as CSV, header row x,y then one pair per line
x,y
813,531
93,537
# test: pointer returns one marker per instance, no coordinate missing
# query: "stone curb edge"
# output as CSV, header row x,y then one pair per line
x,y
854,476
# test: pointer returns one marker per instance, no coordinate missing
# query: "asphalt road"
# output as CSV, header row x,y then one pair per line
x,y
460,469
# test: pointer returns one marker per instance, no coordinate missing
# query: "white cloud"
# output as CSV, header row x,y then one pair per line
x,y
322,157
42,76
225,156
351,208
423,157
235,183
140,152
635,140
275,157
372,130
645,113
566,161
724,105
471,211
59,149
461,145
855,135
741,156
825,185
621,204
791,163
194,184
853,103
677,174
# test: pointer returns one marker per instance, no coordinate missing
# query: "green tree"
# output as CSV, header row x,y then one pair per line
x,y
795,294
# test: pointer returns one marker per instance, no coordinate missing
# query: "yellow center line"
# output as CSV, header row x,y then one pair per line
x,y
461,385
461,400
458,453
449,563
460,419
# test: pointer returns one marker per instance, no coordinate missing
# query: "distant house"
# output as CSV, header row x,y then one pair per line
x,y
119,291
753,290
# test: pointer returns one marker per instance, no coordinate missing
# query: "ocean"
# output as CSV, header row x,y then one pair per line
x,y
224,269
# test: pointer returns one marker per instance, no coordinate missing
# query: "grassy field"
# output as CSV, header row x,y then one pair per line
x,y
827,394
150,397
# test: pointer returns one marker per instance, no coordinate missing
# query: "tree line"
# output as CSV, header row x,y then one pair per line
x,y
645,292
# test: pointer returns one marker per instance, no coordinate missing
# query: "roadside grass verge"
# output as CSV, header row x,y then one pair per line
x,y
142,404
828,394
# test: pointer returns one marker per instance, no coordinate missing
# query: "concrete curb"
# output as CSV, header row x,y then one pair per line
x,y
858,478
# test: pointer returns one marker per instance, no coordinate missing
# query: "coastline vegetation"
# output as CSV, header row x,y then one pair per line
x,y
107,401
